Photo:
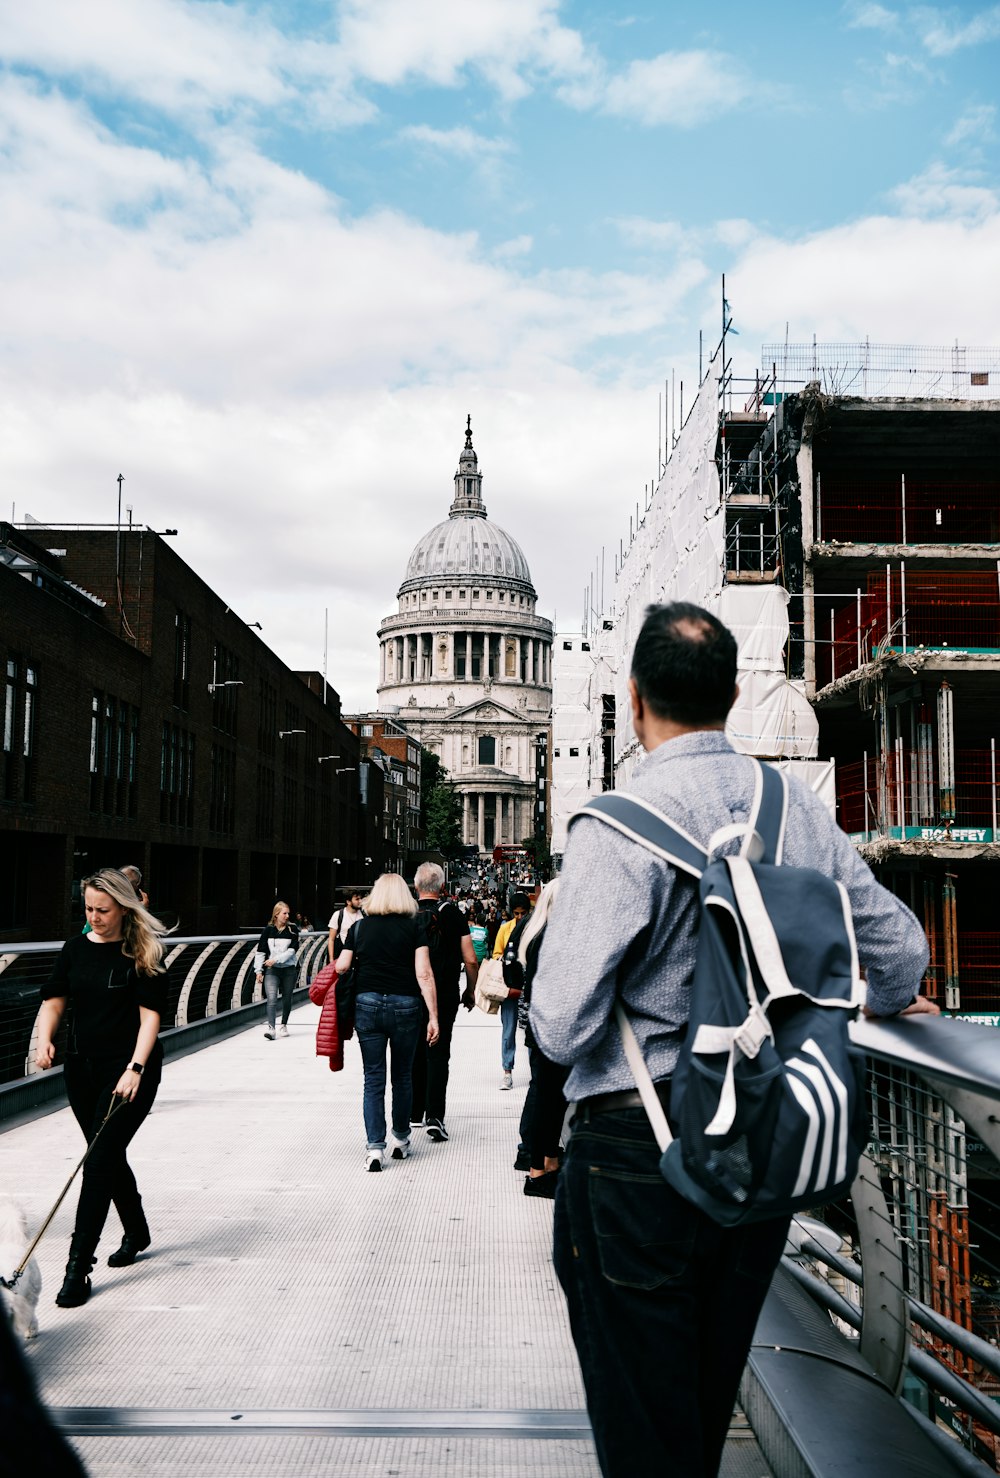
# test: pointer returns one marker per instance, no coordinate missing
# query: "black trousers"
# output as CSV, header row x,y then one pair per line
x,y
107,1175
548,1108
431,1064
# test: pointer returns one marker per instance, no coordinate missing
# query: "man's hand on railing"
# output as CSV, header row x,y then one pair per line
x,y
920,1006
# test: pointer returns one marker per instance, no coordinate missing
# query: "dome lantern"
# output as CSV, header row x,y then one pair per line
x,y
468,500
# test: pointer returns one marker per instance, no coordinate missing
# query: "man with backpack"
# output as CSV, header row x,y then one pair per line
x,y
451,947
663,1298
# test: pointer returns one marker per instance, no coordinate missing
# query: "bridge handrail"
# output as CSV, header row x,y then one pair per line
x,y
910,1233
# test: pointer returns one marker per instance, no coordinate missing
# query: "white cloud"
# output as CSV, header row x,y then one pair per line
x,y
975,126
894,280
942,35
509,42
186,58
464,143
863,16
939,191
681,88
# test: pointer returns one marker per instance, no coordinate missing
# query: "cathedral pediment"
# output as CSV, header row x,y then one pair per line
x,y
486,708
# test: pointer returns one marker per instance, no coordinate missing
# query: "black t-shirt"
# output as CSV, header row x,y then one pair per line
x,y
453,927
384,946
105,992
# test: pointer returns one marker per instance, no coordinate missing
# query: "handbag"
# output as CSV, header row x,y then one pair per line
x,y
490,982
491,1008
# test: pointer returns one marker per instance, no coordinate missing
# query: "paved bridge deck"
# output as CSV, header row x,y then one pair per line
x,y
297,1315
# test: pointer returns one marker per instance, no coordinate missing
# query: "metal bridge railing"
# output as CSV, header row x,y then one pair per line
x,y
205,977
909,1268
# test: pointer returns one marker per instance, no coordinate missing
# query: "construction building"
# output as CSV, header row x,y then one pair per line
x,y
852,542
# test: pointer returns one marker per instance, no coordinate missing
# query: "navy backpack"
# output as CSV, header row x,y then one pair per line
x,y
768,1096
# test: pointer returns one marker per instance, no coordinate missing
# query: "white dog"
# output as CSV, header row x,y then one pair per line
x,y
21,1301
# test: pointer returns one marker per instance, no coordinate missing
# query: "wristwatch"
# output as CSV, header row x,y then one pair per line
x,y
137,1068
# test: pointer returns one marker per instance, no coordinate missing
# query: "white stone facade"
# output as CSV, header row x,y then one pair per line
x,y
467,663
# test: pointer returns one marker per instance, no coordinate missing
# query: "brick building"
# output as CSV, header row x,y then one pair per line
x,y
395,752
144,722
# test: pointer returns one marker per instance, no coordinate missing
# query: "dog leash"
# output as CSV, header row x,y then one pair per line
x,y
11,1283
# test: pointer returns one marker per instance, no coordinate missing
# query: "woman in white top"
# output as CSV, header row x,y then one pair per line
x,y
275,963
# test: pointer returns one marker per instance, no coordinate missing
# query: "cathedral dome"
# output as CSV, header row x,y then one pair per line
x,y
466,546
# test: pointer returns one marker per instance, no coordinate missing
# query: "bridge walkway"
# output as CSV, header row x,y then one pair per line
x,y
298,1316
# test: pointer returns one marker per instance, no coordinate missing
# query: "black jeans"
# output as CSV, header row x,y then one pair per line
x,y
662,1301
107,1175
431,1064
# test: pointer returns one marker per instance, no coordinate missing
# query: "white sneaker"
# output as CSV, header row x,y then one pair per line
x,y
508,1082
400,1148
269,1033
374,1159
282,1031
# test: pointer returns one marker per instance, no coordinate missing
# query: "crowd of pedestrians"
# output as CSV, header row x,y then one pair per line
x,y
674,1293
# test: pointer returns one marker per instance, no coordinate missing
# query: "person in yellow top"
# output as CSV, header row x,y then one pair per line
x,y
520,906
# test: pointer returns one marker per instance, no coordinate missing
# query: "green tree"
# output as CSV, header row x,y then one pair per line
x,y
539,856
444,821
440,810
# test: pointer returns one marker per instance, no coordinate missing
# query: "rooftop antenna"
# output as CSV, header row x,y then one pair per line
x,y
118,566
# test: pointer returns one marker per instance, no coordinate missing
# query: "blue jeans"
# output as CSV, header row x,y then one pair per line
x,y
394,1022
508,1040
279,982
662,1301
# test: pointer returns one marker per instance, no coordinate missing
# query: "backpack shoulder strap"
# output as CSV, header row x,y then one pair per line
x,y
770,811
643,823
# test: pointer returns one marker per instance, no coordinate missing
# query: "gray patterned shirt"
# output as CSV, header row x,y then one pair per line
x,y
626,920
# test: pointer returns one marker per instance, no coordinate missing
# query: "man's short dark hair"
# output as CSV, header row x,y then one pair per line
x,y
684,664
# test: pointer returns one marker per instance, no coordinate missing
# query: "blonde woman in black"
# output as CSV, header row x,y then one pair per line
x,y
110,980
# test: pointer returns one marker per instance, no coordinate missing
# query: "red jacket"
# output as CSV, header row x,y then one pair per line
x,y
329,1040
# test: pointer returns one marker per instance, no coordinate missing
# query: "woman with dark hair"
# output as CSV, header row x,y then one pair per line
x,y
275,963
392,970
110,981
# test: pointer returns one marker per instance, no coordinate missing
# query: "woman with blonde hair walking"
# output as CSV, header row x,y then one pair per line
x,y
392,969
110,979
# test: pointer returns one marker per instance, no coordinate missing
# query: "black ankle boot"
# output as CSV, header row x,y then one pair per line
x,y
130,1249
76,1284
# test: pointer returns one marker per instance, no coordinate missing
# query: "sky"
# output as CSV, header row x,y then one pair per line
x,y
264,259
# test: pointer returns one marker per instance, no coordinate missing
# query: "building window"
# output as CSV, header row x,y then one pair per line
x,y
114,753
500,596
461,595
574,754
489,595
447,595
555,754
469,487
436,594
222,795
289,818
487,751
19,738
176,776
367,730
423,595
585,646
567,646
475,595
265,804
182,660
267,719
225,689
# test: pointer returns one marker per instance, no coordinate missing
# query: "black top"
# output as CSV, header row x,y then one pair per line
x,y
446,952
384,946
105,992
